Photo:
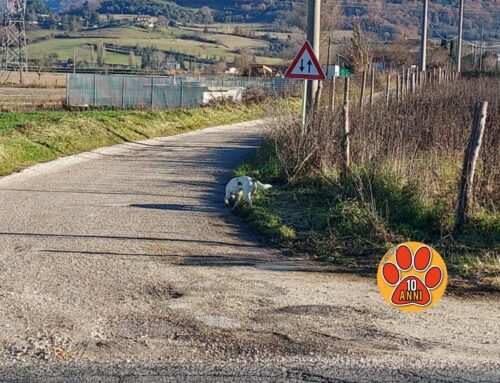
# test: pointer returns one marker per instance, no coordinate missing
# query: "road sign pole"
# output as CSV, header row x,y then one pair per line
x,y
304,107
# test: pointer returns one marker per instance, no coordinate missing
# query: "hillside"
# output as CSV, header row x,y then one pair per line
x,y
147,7
390,19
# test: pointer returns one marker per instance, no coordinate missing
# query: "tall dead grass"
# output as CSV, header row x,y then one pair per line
x,y
421,140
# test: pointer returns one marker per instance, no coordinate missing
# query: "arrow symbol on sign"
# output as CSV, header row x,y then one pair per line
x,y
305,65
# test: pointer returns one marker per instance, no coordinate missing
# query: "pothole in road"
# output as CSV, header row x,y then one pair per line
x,y
218,321
163,292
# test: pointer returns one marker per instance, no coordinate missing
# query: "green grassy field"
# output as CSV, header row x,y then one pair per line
x,y
167,39
27,138
259,29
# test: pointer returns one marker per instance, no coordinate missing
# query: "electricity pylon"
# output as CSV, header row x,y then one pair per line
x,y
13,33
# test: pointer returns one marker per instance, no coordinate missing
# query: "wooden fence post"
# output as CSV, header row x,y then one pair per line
x,y
469,167
413,82
347,129
388,89
372,87
398,87
403,82
408,81
332,95
363,86
317,98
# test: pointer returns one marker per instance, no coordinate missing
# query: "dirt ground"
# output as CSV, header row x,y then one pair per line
x,y
123,265
46,91
31,99
34,79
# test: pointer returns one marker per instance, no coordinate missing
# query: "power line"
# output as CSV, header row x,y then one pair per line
x,y
481,46
464,41
440,35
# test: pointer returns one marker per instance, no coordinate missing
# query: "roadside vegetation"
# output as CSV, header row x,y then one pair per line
x,y
27,138
402,185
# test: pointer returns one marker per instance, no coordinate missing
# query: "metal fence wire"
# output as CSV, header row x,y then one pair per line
x,y
139,92
132,92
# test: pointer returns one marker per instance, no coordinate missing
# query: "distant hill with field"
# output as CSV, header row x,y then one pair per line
x,y
387,18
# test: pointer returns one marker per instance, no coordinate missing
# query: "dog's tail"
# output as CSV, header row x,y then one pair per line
x,y
261,186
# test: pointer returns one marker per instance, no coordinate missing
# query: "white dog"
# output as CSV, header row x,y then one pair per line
x,y
242,186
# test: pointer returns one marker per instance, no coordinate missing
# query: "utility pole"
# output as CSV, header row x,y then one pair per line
x,y
313,35
460,36
423,42
474,51
481,51
328,57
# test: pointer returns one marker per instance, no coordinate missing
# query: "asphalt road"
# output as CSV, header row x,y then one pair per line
x,y
122,265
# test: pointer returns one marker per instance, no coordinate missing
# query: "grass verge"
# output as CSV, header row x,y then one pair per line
x,y
27,138
351,221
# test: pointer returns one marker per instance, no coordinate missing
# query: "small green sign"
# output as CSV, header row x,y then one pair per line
x,y
345,73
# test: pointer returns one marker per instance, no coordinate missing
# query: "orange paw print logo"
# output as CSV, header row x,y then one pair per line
x,y
412,277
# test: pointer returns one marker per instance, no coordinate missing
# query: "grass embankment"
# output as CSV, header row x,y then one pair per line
x,y
27,138
402,186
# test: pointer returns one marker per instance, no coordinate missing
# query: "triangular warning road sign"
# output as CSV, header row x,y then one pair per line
x,y
306,65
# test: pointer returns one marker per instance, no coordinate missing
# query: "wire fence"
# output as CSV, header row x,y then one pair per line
x,y
133,92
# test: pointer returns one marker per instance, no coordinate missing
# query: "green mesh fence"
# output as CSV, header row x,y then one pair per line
x,y
132,92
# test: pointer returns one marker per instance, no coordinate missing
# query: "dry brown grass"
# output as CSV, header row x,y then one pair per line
x,y
402,185
33,80
420,139
31,99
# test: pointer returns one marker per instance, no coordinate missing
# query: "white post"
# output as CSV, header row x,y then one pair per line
x,y
304,106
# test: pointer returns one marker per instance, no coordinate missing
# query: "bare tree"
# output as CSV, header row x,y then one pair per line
x,y
243,60
101,54
157,60
206,14
131,60
359,52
